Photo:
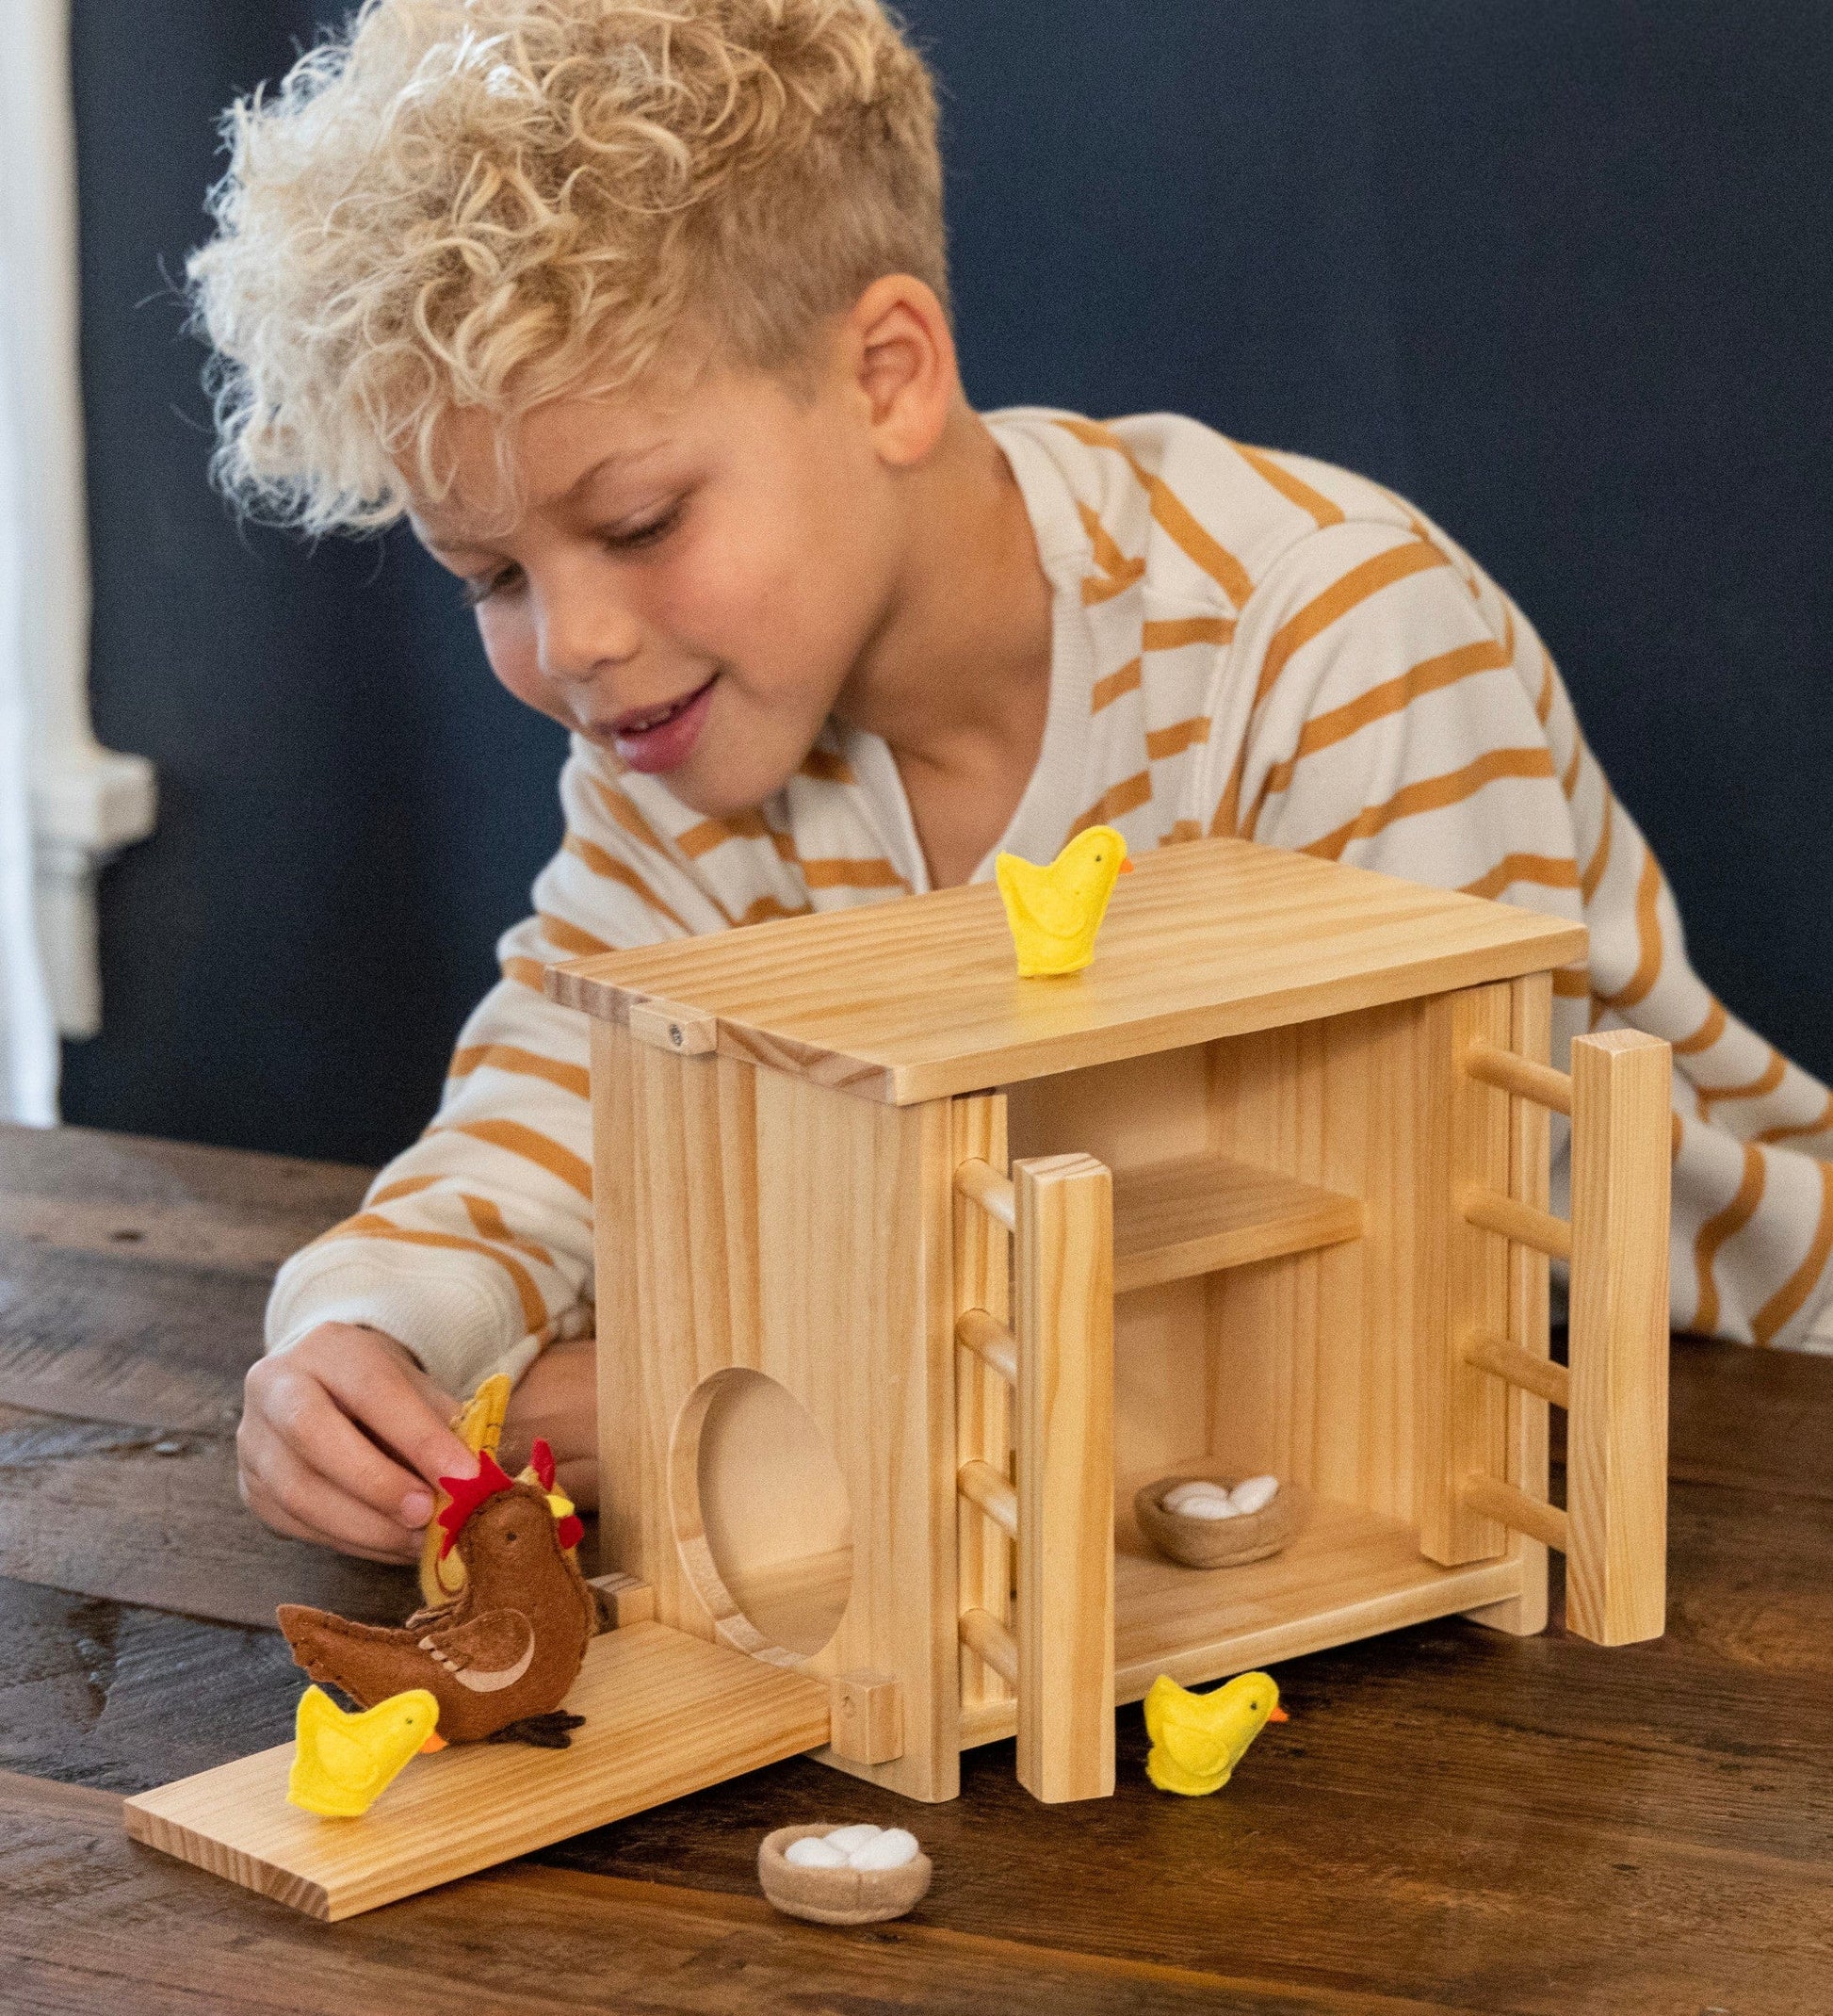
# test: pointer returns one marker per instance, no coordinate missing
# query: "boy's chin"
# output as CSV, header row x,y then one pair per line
x,y
725,791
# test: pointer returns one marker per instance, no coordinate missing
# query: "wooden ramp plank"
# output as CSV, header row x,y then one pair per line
x,y
666,1714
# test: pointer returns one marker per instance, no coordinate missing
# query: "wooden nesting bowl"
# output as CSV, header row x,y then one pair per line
x,y
838,1896
1217,1542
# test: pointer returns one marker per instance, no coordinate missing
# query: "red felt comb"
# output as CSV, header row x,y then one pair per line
x,y
467,1494
570,1529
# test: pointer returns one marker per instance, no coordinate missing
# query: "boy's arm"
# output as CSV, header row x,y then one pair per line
x,y
1419,727
473,1249
1396,727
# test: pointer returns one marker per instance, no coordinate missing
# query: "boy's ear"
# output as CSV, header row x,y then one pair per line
x,y
898,353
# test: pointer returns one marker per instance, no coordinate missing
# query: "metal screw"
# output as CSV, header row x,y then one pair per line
x,y
674,1034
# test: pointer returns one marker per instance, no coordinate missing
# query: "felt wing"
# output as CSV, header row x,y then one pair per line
x,y
344,1759
1200,1751
330,1736
1039,897
485,1655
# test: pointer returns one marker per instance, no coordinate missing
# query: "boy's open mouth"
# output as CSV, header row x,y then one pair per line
x,y
661,738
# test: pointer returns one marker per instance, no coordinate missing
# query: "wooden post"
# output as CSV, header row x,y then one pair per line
x,y
867,1725
1616,1441
1063,1274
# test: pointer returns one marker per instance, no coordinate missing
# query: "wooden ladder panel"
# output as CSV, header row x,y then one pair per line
x,y
1063,1277
1613,1530
666,1714
1463,1412
983,1270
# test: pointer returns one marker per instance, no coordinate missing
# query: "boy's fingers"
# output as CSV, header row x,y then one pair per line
x,y
379,1392
272,1516
283,1489
308,1422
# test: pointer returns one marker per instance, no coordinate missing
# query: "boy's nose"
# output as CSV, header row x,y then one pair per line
x,y
579,648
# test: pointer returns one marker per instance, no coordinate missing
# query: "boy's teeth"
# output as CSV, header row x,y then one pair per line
x,y
655,720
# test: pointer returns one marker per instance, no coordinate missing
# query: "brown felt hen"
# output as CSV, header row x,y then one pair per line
x,y
500,1659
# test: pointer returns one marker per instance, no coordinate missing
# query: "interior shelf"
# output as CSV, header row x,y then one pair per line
x,y
1175,1219
1346,1574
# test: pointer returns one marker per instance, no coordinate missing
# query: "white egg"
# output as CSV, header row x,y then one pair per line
x,y
1180,1496
895,1846
812,1852
1209,1508
847,1839
1254,1494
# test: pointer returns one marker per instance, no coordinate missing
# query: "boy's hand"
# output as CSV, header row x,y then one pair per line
x,y
342,1440
557,1399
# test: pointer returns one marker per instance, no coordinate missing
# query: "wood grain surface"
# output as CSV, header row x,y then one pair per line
x,y
784,1250
144,1515
1205,1213
920,1000
135,1272
1453,1819
1062,1436
109,1926
663,1714
133,1276
1616,1431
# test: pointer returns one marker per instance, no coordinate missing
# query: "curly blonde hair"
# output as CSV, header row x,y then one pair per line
x,y
487,204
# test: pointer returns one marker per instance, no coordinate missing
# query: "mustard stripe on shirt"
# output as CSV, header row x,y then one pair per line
x,y
1246,643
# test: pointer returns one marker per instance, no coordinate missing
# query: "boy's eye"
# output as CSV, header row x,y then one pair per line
x,y
484,586
646,533
481,587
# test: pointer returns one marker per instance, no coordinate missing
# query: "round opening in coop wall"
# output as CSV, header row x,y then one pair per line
x,y
761,1515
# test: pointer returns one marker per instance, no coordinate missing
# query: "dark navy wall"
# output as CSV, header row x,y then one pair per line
x,y
350,807
1559,272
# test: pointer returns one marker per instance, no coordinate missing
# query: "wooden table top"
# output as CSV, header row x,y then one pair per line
x,y
1452,1820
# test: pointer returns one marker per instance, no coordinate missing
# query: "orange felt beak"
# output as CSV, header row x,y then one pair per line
x,y
1126,867
437,1742
1279,1715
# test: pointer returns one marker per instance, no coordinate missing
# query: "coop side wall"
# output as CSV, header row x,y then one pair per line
x,y
746,1218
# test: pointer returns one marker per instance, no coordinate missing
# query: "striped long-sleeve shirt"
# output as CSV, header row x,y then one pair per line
x,y
1244,642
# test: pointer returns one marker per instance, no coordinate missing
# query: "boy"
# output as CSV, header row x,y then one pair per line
x,y
638,311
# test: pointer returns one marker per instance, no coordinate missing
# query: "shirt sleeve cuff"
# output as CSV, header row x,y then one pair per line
x,y
460,1324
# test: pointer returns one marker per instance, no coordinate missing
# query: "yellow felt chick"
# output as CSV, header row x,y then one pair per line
x,y
343,1763
479,1428
1054,911
1198,1739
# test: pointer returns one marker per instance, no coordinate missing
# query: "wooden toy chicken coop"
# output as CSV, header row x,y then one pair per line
x,y
908,1270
